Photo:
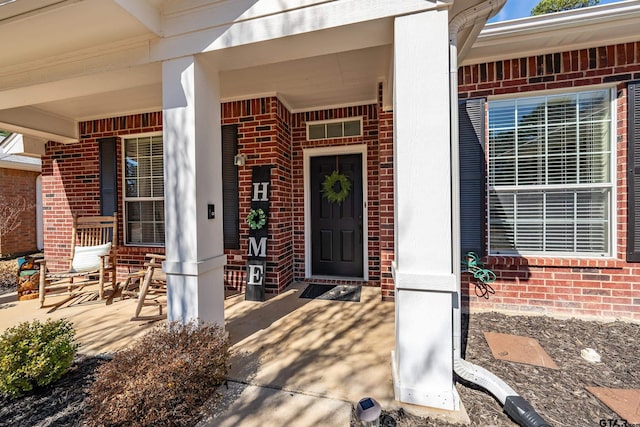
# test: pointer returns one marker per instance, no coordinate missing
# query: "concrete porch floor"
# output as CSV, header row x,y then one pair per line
x,y
325,348
316,348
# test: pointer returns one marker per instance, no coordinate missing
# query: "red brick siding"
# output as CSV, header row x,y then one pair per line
x,y
263,132
71,184
583,287
385,174
385,171
270,135
15,184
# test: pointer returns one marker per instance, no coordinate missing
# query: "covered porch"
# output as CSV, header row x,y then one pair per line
x,y
179,62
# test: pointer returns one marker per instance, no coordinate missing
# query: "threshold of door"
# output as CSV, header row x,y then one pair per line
x,y
339,280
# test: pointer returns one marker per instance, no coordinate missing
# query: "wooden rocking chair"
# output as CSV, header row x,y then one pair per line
x,y
92,259
149,286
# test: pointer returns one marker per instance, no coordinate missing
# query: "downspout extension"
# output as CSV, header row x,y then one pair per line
x,y
513,404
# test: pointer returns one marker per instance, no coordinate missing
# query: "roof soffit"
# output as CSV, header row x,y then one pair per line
x,y
576,29
467,20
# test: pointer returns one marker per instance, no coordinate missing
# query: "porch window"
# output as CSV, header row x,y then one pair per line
x,y
550,175
144,191
327,129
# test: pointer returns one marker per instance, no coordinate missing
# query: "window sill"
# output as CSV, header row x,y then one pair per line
x,y
539,261
143,245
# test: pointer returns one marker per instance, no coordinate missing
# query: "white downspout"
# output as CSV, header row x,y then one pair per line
x,y
462,20
513,404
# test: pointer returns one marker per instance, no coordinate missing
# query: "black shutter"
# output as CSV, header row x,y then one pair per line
x,y
633,172
230,209
108,176
472,176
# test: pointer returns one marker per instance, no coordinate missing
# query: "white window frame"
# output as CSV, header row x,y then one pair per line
x,y
610,186
332,121
126,199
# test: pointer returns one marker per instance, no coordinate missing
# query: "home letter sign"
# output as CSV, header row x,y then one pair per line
x,y
258,221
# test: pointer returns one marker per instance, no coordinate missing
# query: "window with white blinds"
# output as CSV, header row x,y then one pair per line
x,y
550,176
144,191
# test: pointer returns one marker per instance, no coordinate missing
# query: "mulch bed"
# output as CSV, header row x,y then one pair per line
x,y
59,404
559,396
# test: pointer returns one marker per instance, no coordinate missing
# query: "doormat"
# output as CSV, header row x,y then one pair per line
x,y
349,293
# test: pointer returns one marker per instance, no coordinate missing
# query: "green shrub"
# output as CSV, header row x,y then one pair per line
x,y
34,354
163,379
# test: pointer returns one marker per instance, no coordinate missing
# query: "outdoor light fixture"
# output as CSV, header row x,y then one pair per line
x,y
239,159
368,412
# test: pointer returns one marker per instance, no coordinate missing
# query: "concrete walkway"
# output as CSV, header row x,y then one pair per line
x,y
253,406
295,361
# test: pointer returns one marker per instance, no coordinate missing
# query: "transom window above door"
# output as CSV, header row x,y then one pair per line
x,y
550,174
327,129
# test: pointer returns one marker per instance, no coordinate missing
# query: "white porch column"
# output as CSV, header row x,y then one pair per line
x,y
423,270
193,181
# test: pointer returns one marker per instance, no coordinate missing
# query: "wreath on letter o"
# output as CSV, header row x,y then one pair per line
x,y
256,219
328,187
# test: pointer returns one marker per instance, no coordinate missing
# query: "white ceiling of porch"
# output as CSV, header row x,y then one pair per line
x,y
335,79
297,71
57,31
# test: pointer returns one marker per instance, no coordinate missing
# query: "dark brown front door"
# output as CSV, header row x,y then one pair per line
x,y
336,228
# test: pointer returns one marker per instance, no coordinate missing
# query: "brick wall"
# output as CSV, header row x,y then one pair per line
x,y
604,288
264,137
266,130
385,173
71,184
16,184
270,135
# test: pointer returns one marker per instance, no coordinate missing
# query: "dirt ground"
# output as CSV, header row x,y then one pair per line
x,y
559,396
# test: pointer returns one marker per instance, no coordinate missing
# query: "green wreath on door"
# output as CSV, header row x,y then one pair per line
x,y
330,183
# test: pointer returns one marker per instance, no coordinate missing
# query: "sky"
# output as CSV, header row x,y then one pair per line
x,y
515,9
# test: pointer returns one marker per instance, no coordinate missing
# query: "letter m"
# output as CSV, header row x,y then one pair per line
x,y
258,249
